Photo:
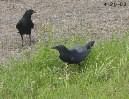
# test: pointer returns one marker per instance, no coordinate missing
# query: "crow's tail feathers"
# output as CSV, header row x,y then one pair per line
x,y
90,44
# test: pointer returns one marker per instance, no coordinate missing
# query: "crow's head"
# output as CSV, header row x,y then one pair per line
x,y
90,44
29,12
61,48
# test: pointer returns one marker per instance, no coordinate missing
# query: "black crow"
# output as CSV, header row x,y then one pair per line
x,y
25,24
76,55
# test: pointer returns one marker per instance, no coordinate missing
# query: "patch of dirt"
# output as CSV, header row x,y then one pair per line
x,y
67,18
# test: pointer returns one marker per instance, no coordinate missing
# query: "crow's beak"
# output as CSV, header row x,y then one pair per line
x,y
53,47
34,11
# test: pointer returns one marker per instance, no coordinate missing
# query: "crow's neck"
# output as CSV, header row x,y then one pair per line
x,y
27,16
63,51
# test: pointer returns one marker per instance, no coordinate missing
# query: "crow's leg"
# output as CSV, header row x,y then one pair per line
x,y
80,67
66,75
30,38
22,39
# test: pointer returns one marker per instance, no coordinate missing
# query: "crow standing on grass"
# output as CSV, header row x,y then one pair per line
x,y
76,55
25,24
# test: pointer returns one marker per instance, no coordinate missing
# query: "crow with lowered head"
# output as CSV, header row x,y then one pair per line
x,y
25,24
75,55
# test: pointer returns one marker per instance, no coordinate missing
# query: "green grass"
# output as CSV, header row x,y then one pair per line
x,y
41,75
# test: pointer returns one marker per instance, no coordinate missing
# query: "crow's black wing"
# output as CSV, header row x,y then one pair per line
x,y
75,56
79,54
19,24
24,25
